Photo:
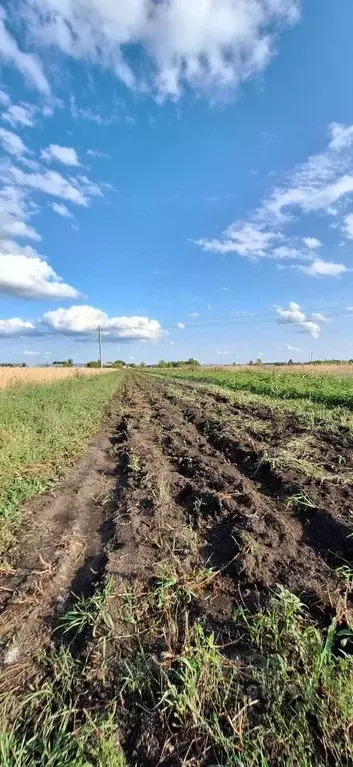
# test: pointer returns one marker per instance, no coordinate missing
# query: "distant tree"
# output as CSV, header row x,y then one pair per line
x,y
259,361
251,362
290,361
64,363
118,364
93,364
142,365
192,361
162,364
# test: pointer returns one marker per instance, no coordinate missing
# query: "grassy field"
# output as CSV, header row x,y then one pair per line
x,y
308,384
43,429
207,618
26,376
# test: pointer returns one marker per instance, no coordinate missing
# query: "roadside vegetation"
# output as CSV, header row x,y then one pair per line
x,y
43,429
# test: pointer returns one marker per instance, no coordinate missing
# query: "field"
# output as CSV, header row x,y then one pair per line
x,y
16,376
183,596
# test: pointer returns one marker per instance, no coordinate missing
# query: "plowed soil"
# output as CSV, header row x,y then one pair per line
x,y
174,458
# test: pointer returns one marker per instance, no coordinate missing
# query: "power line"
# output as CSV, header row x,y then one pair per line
x,y
265,318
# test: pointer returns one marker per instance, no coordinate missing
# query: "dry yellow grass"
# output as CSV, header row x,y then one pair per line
x,y
26,376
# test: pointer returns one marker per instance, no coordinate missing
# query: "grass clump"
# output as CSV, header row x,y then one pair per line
x,y
156,684
43,429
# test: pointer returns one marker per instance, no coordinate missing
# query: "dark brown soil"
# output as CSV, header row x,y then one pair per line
x,y
174,459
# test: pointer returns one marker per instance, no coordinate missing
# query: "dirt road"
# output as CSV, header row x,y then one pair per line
x,y
171,459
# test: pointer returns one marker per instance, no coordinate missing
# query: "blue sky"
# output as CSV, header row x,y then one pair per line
x,y
179,173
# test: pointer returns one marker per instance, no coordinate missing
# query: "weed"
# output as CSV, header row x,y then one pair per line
x,y
300,500
134,464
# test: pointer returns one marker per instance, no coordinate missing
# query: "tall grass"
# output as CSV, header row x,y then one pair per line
x,y
42,430
25,376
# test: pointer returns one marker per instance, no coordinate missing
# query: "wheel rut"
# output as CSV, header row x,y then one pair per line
x,y
162,471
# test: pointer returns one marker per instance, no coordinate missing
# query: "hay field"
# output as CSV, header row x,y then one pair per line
x,y
25,376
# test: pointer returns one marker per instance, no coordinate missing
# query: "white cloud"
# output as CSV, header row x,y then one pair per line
x,y
193,314
341,136
83,320
61,210
312,243
242,237
52,183
291,348
294,316
30,353
12,143
321,268
64,154
26,63
318,317
180,326
20,114
14,214
323,182
96,153
29,276
16,327
348,226
205,45
4,99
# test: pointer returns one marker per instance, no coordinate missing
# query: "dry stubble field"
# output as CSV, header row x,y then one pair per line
x,y
18,376
184,596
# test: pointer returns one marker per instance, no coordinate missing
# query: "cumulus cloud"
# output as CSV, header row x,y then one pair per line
x,y
321,268
312,243
26,63
180,325
83,320
31,353
64,154
12,143
16,327
29,276
204,45
294,316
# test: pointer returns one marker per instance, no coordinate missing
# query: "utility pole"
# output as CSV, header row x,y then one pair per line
x,y
100,347
311,357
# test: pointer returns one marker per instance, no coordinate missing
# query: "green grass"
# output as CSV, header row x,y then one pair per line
x,y
327,390
278,695
43,429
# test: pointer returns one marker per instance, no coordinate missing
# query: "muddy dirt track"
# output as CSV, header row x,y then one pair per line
x,y
170,459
